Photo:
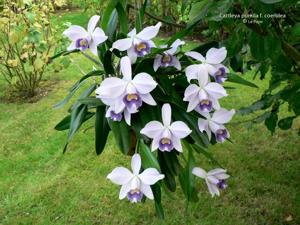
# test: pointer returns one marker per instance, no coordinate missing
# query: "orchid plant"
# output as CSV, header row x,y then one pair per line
x,y
161,104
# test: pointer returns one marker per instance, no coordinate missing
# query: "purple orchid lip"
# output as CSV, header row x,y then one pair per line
x,y
116,116
205,105
166,60
222,184
133,101
82,43
135,196
220,75
221,135
165,144
142,49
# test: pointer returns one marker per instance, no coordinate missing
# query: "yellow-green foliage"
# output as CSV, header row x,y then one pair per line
x,y
27,40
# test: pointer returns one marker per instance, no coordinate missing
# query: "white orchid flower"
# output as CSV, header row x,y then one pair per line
x,y
168,58
138,45
82,39
215,179
126,95
166,136
210,64
205,96
215,124
135,184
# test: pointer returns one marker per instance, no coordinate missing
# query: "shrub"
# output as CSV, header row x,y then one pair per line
x,y
27,40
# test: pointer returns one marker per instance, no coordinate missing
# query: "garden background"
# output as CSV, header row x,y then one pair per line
x,y
40,185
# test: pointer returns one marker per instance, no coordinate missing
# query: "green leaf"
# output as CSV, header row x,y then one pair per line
x,y
76,86
108,63
159,210
264,47
85,94
77,117
270,1
169,179
121,133
148,158
271,121
186,178
122,18
286,123
295,103
101,129
64,124
91,101
108,12
112,25
234,78
199,8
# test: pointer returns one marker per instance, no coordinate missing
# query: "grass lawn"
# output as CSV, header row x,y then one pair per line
x,y
40,185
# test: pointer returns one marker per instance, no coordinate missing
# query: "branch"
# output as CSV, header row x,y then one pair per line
x,y
158,18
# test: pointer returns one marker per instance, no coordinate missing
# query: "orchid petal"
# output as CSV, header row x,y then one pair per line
x,y
132,55
176,63
192,72
120,176
215,90
166,114
176,143
112,87
132,33
152,129
72,46
175,46
150,176
93,49
126,68
157,62
93,23
202,95
193,102
199,172
122,44
210,69
147,191
214,126
144,83
215,103
148,99
127,117
149,32
124,190
136,164
213,189
195,55
75,32
215,55
155,143
223,116
202,125
202,77
98,36
179,129
190,92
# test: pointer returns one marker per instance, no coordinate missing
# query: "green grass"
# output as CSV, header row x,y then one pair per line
x,y
40,185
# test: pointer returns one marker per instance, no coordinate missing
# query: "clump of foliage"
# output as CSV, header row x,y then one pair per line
x,y
265,36
27,41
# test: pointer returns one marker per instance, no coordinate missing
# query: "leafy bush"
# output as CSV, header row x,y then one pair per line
x,y
27,41
264,36
141,97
